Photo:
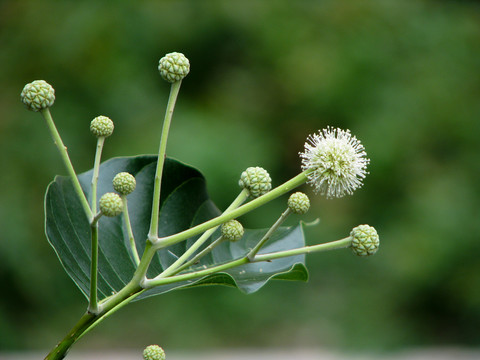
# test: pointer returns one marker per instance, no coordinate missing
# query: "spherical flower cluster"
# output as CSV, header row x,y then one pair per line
x,y
124,183
256,180
38,95
365,240
111,204
336,162
101,126
174,67
298,203
153,352
232,230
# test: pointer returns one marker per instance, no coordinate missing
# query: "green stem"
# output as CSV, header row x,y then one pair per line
x,y
96,170
139,283
150,283
128,225
93,301
68,164
205,236
339,244
142,268
106,307
201,254
99,319
137,278
60,351
96,218
88,321
153,232
134,289
251,205
269,233
333,245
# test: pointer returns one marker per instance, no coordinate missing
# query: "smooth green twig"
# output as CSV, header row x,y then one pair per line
x,y
89,320
139,282
111,312
333,245
200,255
266,237
136,287
96,170
339,244
249,206
151,283
93,300
96,218
128,225
68,164
240,199
153,231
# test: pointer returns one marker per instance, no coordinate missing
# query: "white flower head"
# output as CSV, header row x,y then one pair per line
x,y
337,162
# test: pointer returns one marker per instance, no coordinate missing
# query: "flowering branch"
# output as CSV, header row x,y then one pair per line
x,y
334,162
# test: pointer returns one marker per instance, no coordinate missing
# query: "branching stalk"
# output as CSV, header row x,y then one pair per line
x,y
251,205
66,160
128,225
90,320
205,236
339,244
266,237
200,255
96,170
139,284
153,232
93,300
334,245
107,314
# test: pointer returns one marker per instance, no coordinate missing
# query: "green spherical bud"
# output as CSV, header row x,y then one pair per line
x,y
153,352
111,204
124,183
298,203
256,180
174,67
101,126
232,230
365,240
38,95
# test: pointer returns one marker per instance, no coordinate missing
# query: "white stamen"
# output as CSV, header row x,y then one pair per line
x,y
338,161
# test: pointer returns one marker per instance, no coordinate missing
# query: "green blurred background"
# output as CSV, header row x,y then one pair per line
x,y
404,76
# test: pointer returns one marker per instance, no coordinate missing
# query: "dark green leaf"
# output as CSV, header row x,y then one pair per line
x,y
184,202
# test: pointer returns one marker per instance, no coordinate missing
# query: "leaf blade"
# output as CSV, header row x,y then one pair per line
x,y
184,203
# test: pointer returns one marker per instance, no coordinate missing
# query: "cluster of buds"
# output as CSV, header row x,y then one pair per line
x,y
111,204
334,162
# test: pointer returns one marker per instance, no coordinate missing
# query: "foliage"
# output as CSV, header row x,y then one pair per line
x,y
185,203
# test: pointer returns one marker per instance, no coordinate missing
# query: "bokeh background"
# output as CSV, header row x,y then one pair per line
x,y
404,76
